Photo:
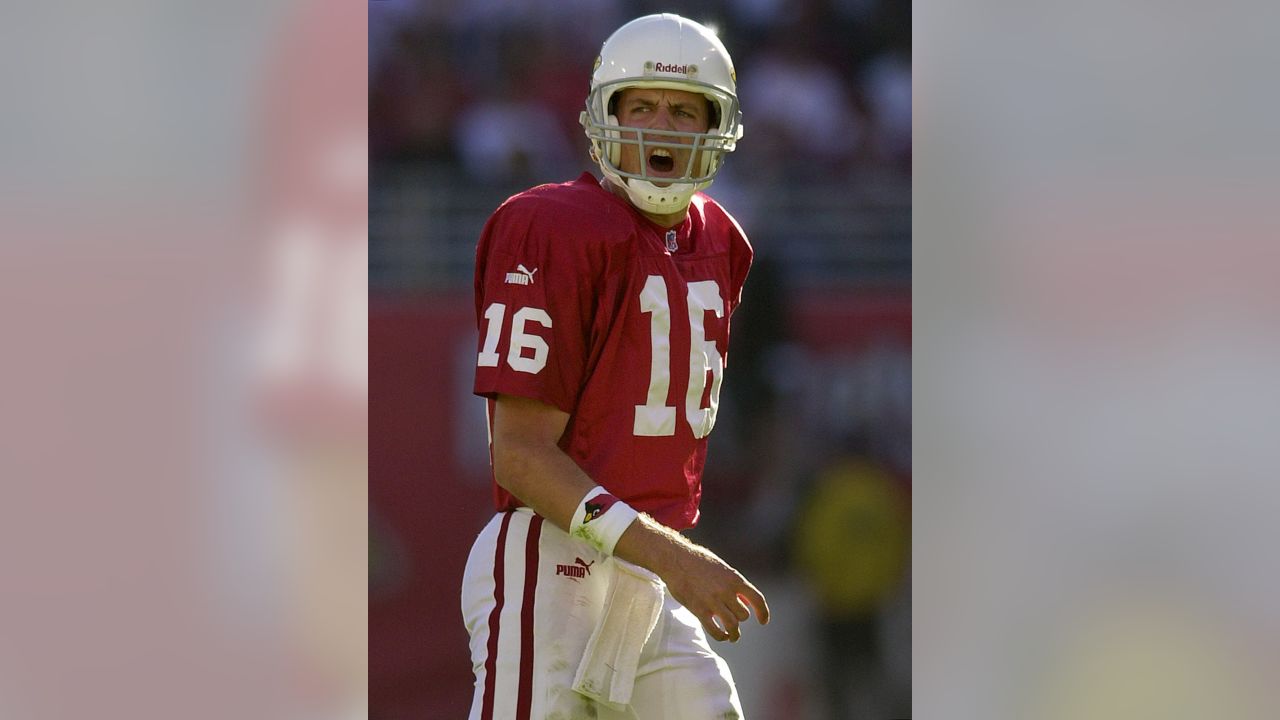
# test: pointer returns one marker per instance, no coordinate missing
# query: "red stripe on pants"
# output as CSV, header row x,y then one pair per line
x,y
525,696
490,662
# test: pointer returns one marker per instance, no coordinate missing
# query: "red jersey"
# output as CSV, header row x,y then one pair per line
x,y
585,304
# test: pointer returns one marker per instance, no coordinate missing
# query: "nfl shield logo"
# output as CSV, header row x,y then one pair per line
x,y
672,246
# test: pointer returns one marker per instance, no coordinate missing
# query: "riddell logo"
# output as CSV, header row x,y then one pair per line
x,y
579,569
671,68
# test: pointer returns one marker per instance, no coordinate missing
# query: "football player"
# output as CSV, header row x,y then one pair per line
x,y
604,309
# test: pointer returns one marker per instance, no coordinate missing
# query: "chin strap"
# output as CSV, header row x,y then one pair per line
x,y
643,193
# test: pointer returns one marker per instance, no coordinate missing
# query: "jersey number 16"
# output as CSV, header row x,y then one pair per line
x,y
654,418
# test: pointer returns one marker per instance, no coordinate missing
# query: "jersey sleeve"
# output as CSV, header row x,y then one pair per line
x,y
535,304
740,257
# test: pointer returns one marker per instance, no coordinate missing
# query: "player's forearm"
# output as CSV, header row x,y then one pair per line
x,y
543,477
551,483
528,463
656,547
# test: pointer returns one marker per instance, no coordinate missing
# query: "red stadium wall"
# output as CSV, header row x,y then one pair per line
x,y
428,485
428,508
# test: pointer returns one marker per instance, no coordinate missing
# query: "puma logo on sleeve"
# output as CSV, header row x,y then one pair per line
x,y
522,276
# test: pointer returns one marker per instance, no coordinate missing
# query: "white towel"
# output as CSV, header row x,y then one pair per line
x,y
607,673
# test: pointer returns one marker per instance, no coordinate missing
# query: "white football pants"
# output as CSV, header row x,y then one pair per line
x,y
531,597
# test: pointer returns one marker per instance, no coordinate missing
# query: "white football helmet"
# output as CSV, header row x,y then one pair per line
x,y
666,52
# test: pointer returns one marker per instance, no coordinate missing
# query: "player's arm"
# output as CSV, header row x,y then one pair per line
x,y
528,463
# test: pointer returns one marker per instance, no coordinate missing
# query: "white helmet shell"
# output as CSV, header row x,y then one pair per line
x,y
663,51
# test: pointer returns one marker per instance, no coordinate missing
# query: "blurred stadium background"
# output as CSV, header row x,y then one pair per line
x,y
183,528
809,482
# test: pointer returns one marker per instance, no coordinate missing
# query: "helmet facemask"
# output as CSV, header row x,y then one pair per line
x,y
706,150
663,52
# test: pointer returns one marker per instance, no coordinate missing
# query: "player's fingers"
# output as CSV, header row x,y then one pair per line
x,y
755,599
711,625
724,619
739,609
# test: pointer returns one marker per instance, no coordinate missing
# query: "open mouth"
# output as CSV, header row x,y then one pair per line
x,y
660,160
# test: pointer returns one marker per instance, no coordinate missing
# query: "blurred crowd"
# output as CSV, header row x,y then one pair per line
x,y
495,86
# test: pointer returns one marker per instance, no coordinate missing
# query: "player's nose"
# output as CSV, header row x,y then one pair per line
x,y
665,118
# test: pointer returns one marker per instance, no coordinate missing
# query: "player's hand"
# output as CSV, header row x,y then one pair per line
x,y
719,596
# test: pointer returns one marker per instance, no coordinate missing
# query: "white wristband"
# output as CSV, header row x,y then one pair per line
x,y
601,519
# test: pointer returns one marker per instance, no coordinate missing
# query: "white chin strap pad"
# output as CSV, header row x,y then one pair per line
x,y
663,201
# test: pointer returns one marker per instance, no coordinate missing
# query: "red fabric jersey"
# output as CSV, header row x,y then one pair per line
x,y
581,306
